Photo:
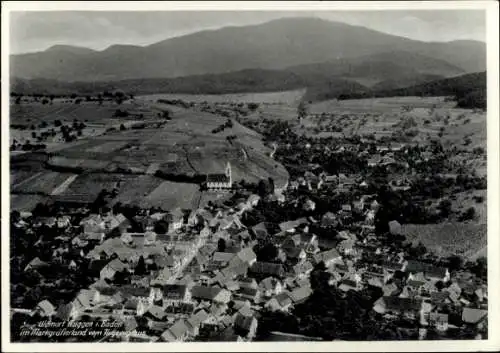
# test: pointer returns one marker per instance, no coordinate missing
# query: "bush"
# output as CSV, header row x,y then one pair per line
x,y
468,215
253,106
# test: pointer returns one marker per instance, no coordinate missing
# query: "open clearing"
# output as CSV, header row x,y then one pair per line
x,y
464,239
134,190
286,97
169,195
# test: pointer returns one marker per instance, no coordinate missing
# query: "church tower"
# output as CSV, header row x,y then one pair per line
x,y
228,174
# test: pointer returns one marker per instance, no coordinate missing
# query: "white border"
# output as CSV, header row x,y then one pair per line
x,y
492,344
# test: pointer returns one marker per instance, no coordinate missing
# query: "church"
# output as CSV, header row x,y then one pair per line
x,y
220,181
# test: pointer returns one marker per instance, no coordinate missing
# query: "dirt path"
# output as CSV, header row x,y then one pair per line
x,y
64,185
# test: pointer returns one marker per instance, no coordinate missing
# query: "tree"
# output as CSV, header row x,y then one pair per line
x,y
161,227
122,127
445,207
221,245
253,106
302,110
455,262
140,269
480,269
266,252
468,215
57,123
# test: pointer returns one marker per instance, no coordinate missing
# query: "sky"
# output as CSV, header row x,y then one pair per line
x,y
36,31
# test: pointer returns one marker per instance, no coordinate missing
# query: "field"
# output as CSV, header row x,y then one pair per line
x,y
134,190
286,97
88,186
43,183
26,202
464,239
429,117
463,200
169,195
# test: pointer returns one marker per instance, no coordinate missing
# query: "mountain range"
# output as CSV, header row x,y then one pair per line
x,y
298,50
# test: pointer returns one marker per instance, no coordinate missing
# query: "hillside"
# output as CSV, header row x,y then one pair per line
x,y
468,90
380,71
273,45
373,69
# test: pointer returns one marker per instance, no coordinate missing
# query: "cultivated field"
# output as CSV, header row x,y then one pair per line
x,y
169,195
285,97
43,183
134,190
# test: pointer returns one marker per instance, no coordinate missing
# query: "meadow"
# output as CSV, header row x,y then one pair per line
x,y
283,97
466,239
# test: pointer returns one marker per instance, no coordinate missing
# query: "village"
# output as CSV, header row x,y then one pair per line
x,y
218,273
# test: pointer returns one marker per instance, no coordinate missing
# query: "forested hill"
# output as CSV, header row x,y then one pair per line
x,y
469,90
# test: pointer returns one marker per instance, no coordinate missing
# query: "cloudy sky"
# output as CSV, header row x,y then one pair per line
x,y
35,31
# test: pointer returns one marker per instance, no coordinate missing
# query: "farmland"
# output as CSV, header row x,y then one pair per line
x,y
43,183
169,195
464,239
127,158
284,97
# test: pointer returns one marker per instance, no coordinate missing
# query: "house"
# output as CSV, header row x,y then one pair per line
x,y
396,306
280,302
109,271
345,210
291,226
309,205
328,220
35,264
155,312
302,269
246,326
473,316
135,307
395,228
247,255
253,200
178,332
118,221
329,257
175,293
299,295
270,286
63,222
438,320
430,272
195,321
175,219
251,294
248,282
195,218
45,309
214,294
260,230
267,268
348,284
346,247
242,236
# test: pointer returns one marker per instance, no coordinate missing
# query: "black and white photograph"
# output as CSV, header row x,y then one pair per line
x,y
237,175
